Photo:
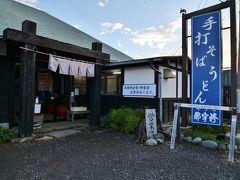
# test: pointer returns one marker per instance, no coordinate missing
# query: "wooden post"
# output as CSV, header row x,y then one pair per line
x,y
27,84
122,81
184,68
233,54
3,48
179,119
95,89
232,136
174,128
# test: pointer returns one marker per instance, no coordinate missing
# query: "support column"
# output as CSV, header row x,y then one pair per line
x,y
5,70
27,83
95,89
122,81
233,54
184,68
3,48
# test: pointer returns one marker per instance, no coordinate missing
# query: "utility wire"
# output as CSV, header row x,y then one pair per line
x,y
179,46
199,4
205,4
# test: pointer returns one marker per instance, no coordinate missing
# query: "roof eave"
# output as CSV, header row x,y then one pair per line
x,y
19,36
140,62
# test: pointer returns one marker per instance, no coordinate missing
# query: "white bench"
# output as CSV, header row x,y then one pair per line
x,y
71,114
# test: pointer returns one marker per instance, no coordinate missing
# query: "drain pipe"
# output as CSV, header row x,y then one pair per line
x,y
160,99
159,94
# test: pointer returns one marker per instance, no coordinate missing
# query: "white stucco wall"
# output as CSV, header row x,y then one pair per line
x,y
145,75
169,85
138,75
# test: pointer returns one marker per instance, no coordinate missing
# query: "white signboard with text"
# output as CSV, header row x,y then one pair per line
x,y
151,123
139,90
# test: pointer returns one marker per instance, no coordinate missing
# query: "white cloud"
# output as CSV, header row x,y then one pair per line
x,y
106,24
117,26
157,37
108,27
32,3
102,33
151,28
127,29
102,3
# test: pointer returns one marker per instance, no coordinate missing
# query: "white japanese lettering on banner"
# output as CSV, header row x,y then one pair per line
x,y
205,68
73,68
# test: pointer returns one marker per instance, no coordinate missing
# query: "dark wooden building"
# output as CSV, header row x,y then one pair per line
x,y
27,36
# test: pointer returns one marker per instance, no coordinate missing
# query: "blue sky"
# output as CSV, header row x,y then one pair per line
x,y
139,28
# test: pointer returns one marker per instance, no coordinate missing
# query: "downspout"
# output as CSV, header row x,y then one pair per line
x,y
159,94
160,99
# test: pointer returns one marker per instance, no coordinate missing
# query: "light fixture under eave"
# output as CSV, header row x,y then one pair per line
x,y
169,73
117,72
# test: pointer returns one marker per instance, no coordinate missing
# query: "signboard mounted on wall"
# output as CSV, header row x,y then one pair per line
x,y
142,90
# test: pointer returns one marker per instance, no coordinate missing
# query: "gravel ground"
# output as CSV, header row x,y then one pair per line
x,y
112,156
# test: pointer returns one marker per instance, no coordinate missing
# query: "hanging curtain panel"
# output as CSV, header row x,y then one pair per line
x,y
68,67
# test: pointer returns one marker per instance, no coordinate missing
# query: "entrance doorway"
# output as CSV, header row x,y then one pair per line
x,y
53,92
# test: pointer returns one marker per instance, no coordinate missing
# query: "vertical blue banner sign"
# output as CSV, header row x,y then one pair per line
x,y
206,67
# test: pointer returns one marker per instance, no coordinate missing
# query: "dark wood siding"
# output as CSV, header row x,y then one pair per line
x,y
114,102
5,79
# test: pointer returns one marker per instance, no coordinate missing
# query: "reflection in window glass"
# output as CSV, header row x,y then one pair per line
x,y
80,83
44,81
111,82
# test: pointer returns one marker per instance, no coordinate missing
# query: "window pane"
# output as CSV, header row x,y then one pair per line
x,y
111,82
80,82
44,81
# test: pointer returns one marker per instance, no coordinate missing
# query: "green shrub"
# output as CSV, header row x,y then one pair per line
x,y
207,132
199,133
140,113
223,129
124,119
6,135
130,125
105,123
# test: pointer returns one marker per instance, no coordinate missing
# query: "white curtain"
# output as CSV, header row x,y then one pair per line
x,y
90,70
63,66
53,63
73,68
82,69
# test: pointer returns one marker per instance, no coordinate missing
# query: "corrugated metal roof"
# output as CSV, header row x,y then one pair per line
x,y
12,14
